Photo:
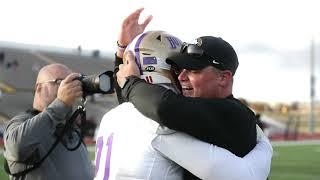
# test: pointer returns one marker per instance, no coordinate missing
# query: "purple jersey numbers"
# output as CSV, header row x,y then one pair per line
x,y
99,147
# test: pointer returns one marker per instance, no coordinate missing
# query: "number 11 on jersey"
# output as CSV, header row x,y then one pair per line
x,y
99,147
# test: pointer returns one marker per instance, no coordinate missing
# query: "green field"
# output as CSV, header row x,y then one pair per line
x,y
296,162
291,161
3,175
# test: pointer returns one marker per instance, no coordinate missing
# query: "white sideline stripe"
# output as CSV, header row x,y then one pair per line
x,y
274,143
295,143
43,58
91,148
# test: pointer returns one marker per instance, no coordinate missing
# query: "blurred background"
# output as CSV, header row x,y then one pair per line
x,y
277,41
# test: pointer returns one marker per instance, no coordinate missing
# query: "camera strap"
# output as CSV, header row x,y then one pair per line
x,y
80,110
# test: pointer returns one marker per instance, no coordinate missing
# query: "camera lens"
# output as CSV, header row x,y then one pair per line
x,y
104,83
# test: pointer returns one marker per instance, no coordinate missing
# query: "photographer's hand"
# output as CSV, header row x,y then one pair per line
x,y
131,28
70,89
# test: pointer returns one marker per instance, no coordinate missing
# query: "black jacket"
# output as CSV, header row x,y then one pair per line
x,y
225,122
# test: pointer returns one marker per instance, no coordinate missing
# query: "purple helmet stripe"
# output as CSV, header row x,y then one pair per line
x,y
137,51
174,42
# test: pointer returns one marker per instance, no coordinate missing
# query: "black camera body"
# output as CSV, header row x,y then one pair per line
x,y
97,83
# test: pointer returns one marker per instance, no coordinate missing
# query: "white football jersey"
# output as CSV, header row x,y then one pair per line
x,y
124,150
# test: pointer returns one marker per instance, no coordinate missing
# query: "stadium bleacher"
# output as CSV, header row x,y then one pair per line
x,y
22,76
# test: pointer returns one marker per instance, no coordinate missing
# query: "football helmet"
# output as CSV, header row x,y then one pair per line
x,y
150,51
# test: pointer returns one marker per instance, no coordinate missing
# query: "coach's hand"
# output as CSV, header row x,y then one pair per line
x,y
128,68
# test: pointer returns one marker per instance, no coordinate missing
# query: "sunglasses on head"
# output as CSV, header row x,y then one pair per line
x,y
195,51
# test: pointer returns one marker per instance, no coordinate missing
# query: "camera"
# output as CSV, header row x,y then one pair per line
x,y
97,83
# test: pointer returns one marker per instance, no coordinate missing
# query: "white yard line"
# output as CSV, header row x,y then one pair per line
x,y
295,143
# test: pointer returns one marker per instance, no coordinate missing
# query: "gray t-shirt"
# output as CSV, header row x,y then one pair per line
x,y
28,138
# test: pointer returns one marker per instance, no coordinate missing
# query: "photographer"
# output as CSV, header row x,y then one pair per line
x,y
29,136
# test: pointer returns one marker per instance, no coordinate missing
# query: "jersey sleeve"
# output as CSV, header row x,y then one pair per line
x,y
207,161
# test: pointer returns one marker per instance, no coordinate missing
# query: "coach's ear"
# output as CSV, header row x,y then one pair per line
x,y
225,77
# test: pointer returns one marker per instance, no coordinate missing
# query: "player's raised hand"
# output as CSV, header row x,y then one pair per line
x,y
131,28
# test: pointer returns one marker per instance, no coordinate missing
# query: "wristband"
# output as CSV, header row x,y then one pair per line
x,y
121,46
